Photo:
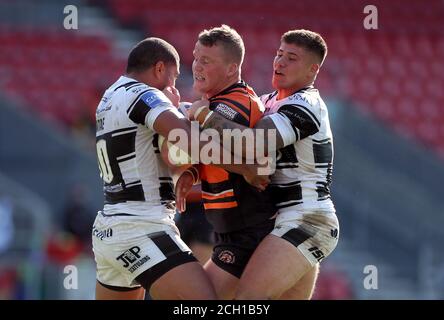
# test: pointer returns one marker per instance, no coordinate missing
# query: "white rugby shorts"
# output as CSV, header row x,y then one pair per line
x,y
314,233
124,247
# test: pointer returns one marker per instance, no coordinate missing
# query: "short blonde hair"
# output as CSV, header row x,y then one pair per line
x,y
226,36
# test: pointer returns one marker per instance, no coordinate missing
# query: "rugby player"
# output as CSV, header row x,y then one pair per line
x,y
240,214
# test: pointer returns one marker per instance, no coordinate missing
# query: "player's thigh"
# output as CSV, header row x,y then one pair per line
x,y
303,289
104,293
298,242
171,272
187,281
223,282
279,265
232,250
231,253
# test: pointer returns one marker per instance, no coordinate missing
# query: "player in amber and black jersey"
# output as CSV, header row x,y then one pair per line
x,y
300,186
240,215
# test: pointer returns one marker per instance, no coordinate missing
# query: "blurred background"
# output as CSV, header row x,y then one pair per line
x,y
385,93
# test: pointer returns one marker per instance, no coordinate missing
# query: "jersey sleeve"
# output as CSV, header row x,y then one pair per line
x,y
147,104
232,110
238,106
296,122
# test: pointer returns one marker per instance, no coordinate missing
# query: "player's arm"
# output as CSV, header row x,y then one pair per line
x,y
170,119
264,131
153,109
290,124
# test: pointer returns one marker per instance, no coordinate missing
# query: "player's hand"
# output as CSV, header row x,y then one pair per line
x,y
183,186
184,107
258,181
197,107
173,94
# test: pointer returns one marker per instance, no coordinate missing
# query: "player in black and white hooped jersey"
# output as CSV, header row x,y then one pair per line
x,y
142,250
304,166
306,229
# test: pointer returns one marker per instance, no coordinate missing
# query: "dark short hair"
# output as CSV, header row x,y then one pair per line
x,y
150,51
230,40
309,40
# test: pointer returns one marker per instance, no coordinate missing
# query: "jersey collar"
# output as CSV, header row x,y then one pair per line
x,y
239,84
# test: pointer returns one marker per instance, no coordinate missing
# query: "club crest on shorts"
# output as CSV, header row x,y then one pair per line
x,y
226,256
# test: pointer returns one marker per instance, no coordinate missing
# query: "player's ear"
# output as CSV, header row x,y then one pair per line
x,y
159,68
232,69
314,68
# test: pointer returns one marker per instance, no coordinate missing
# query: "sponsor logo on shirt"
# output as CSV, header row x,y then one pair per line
x,y
138,89
152,99
226,111
299,97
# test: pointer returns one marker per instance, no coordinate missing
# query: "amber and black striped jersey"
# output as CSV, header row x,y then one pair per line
x,y
230,203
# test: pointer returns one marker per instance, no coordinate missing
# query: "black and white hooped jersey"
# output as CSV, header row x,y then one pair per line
x,y
304,165
135,180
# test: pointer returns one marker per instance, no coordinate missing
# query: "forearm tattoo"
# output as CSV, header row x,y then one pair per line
x,y
219,123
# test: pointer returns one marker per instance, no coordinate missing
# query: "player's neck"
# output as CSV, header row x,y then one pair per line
x,y
283,93
142,77
134,76
223,86
286,92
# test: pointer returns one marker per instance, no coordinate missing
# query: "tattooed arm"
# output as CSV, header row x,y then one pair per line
x,y
265,133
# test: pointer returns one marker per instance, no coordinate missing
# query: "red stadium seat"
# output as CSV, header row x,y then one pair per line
x,y
395,72
41,65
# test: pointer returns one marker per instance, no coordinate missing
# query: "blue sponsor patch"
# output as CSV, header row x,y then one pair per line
x,y
153,99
